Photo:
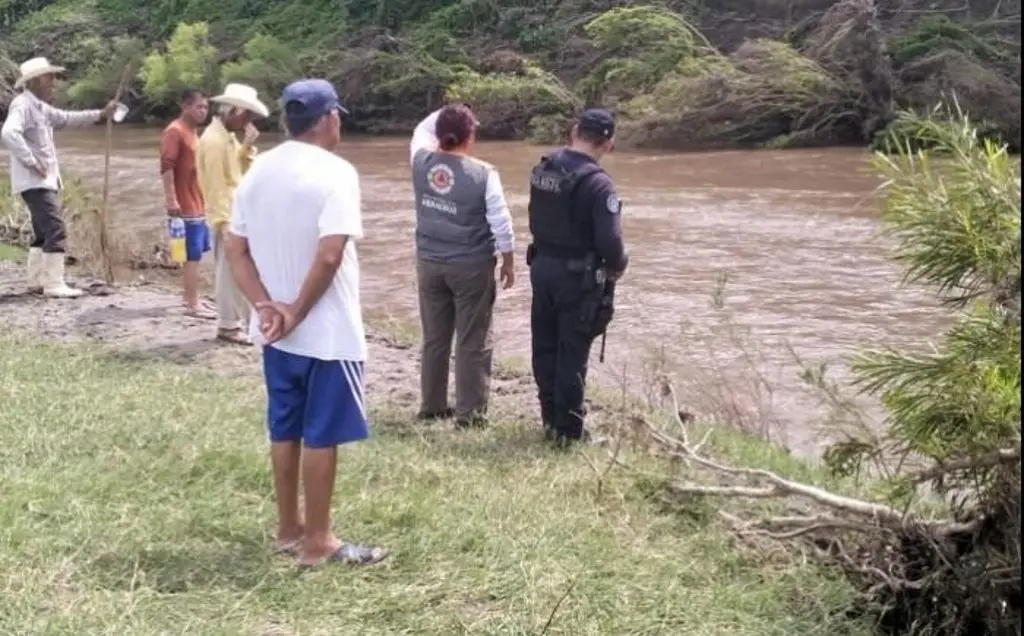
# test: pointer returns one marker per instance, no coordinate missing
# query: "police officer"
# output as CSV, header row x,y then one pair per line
x,y
576,255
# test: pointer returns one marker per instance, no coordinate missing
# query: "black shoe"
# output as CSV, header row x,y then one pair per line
x,y
565,441
435,415
591,440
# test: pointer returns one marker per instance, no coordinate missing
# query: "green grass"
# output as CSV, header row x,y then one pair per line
x,y
135,499
12,253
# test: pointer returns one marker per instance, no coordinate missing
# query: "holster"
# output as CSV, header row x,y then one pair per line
x,y
597,309
605,310
591,273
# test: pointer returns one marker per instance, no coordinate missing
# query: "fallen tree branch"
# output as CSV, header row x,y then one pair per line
x,y
989,460
778,486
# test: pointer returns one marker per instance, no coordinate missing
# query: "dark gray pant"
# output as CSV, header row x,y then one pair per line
x,y
46,211
561,334
456,299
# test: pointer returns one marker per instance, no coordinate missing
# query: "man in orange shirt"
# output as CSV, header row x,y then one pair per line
x,y
183,195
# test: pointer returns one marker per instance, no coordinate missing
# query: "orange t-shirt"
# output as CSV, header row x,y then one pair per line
x,y
178,145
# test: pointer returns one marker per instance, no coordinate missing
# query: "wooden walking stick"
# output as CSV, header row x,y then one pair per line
x,y
108,267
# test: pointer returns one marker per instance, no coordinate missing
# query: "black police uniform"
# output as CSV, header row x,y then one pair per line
x,y
577,240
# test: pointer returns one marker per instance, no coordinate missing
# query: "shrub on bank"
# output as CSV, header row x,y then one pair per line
x,y
8,68
268,65
640,44
389,91
100,79
505,103
398,59
189,61
763,91
933,540
954,216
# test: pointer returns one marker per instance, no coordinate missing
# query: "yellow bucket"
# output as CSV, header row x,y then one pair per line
x,y
176,240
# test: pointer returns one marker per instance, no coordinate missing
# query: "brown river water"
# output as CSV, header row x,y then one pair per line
x,y
794,231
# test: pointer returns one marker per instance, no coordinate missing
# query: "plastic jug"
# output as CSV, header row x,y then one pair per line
x,y
176,240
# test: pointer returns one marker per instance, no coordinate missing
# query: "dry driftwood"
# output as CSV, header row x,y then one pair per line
x,y
907,568
847,512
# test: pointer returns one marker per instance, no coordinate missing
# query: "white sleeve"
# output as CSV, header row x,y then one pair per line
x,y
13,133
498,215
59,118
236,219
423,137
342,213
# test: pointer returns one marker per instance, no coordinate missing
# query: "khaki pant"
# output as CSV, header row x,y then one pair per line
x,y
233,308
456,299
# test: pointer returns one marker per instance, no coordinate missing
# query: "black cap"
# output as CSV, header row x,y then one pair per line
x,y
598,121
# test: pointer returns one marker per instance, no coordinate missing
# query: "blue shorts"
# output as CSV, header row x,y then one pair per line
x,y
317,402
197,239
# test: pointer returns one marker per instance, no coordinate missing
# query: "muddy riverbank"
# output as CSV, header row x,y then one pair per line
x,y
792,234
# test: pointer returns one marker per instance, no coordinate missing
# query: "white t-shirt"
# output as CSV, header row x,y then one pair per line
x,y
291,197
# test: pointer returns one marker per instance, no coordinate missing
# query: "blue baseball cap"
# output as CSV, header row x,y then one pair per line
x,y
599,121
310,99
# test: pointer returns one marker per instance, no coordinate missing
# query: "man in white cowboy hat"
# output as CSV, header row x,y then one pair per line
x,y
35,175
221,162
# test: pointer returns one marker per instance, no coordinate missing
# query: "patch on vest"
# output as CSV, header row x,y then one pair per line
x,y
440,178
613,203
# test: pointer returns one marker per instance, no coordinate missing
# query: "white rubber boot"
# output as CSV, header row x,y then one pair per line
x,y
35,270
53,277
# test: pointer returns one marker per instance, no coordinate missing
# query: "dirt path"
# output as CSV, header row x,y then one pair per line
x,y
146,320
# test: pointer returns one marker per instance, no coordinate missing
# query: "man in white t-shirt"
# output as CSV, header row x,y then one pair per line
x,y
292,249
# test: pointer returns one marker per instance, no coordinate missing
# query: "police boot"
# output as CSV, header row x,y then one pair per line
x,y
569,431
563,441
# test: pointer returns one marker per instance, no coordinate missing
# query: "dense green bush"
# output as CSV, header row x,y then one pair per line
x,y
102,76
506,103
393,60
954,408
268,65
642,45
189,61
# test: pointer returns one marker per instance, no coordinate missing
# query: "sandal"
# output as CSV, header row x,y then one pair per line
x,y
350,554
290,549
200,312
233,336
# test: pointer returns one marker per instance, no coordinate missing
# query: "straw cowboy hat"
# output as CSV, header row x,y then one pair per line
x,y
36,67
242,96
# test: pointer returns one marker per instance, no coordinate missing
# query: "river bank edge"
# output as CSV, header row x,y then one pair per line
x,y
435,496
139,324
393,340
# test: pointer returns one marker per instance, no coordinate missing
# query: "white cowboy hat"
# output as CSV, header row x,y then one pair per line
x,y
244,97
34,68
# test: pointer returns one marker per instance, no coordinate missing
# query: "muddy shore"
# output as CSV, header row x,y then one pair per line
x,y
145,321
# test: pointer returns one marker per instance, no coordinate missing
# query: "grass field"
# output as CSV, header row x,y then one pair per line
x,y
135,499
12,253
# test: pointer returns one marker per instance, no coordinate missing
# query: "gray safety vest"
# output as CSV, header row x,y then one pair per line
x,y
451,209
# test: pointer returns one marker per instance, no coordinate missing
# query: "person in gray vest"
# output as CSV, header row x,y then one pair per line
x,y
462,219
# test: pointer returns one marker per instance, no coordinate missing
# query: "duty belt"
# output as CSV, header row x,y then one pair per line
x,y
574,261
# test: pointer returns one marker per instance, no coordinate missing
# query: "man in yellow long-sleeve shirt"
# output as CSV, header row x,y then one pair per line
x,y
221,161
